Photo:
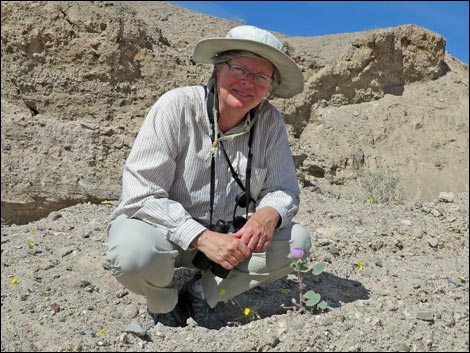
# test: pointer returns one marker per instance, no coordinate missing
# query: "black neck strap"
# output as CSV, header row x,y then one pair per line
x,y
246,188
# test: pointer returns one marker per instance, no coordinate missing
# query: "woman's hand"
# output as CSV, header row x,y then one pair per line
x,y
258,231
224,249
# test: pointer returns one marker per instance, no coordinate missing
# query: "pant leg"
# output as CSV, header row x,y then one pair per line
x,y
143,261
259,268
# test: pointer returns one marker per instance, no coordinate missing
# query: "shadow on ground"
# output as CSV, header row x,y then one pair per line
x,y
266,301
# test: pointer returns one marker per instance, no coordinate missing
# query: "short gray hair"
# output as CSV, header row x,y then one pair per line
x,y
226,56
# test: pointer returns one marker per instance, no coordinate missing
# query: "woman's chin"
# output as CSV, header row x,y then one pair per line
x,y
236,104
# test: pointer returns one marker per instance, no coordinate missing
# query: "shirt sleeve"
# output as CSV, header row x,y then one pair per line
x,y
281,189
149,174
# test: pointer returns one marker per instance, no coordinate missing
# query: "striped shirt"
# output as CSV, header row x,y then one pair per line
x,y
166,178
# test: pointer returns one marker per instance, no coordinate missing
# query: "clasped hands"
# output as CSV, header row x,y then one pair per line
x,y
229,250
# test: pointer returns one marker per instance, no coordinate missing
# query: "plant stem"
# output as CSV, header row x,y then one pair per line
x,y
301,288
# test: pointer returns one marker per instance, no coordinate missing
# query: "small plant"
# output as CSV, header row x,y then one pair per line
x,y
249,314
308,74
288,47
309,299
128,10
380,186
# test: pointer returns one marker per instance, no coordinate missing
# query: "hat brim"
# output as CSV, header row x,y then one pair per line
x,y
292,80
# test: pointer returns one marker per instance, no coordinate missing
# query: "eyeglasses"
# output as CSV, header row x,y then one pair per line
x,y
241,72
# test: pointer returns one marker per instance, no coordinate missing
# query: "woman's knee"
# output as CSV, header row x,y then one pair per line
x,y
136,268
140,252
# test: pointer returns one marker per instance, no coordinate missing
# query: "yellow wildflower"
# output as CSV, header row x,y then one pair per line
x,y
246,311
222,291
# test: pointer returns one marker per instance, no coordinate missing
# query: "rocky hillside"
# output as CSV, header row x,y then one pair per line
x,y
79,77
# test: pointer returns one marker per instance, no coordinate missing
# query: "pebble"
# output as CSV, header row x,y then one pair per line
x,y
334,250
136,329
446,197
406,222
433,242
425,316
131,311
124,337
403,347
54,216
274,341
122,292
454,282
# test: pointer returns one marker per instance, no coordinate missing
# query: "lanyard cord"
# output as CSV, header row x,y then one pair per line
x,y
248,171
210,104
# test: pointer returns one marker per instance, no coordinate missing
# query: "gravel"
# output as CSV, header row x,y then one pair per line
x,y
396,279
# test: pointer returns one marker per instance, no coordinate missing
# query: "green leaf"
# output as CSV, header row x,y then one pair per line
x,y
294,301
318,268
314,300
322,305
292,277
309,294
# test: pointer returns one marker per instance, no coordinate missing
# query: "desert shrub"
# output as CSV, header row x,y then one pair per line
x,y
307,74
380,186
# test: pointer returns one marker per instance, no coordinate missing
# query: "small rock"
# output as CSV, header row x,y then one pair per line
x,y
451,322
131,311
418,233
454,282
124,338
54,215
433,242
122,292
136,329
425,316
377,245
406,222
446,197
66,251
323,242
334,250
275,341
403,347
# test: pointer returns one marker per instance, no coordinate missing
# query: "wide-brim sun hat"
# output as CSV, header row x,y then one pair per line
x,y
261,42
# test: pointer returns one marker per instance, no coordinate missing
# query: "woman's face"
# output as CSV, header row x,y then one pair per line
x,y
242,94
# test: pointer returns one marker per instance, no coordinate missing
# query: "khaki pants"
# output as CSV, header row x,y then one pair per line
x,y
144,261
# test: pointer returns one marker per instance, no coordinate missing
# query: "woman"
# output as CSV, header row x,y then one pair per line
x,y
199,153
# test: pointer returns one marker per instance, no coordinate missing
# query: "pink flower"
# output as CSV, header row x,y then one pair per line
x,y
297,253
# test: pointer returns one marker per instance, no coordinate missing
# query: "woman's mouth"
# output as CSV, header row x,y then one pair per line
x,y
242,94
